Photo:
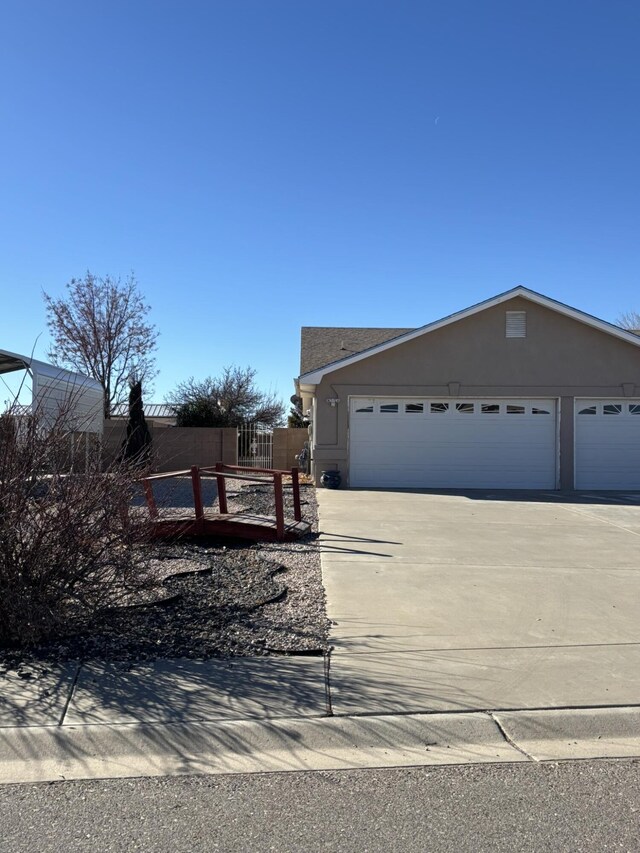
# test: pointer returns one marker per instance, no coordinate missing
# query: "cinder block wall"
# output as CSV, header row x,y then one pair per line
x,y
287,443
177,448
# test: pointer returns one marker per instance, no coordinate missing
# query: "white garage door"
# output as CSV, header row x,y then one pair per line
x,y
436,443
607,440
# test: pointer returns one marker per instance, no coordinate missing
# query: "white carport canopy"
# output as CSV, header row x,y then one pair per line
x,y
55,389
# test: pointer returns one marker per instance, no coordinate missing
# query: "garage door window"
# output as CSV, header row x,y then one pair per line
x,y
602,408
403,408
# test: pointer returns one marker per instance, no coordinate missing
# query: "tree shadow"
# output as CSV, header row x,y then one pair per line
x,y
207,716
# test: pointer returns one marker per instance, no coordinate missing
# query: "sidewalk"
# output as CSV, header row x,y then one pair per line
x,y
260,715
164,691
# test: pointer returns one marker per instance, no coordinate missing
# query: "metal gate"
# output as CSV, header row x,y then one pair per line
x,y
255,446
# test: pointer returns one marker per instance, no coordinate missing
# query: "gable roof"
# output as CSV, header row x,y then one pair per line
x,y
321,345
314,375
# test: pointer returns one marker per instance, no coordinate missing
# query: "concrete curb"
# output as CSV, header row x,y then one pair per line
x,y
39,754
55,753
581,733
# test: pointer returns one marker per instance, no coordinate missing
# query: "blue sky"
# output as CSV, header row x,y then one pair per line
x,y
266,164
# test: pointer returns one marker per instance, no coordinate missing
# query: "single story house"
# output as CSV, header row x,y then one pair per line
x,y
517,392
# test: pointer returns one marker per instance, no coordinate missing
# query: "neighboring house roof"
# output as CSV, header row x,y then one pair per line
x,y
314,375
320,345
151,410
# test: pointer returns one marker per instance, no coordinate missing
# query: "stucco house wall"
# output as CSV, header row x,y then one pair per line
x,y
560,357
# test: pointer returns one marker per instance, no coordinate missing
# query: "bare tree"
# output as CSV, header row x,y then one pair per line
x,y
100,329
629,320
228,400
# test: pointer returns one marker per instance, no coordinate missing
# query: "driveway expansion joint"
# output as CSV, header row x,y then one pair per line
x,y
327,681
72,690
602,520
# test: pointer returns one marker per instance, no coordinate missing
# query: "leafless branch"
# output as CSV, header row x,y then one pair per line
x,y
99,328
629,320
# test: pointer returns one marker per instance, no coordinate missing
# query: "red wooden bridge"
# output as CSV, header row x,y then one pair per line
x,y
207,521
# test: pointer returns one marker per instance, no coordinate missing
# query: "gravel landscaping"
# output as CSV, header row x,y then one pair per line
x,y
215,598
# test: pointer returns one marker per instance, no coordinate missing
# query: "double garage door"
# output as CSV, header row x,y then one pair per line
x,y
444,443
484,443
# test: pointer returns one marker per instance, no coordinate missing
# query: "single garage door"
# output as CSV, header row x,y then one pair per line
x,y
607,441
444,443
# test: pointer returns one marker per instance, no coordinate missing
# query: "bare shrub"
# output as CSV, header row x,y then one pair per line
x,y
69,543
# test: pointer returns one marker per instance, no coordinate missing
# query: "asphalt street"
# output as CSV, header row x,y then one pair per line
x,y
573,806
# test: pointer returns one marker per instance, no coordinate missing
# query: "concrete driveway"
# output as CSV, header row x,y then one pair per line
x,y
458,601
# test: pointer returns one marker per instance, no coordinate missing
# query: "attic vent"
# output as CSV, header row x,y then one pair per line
x,y
516,324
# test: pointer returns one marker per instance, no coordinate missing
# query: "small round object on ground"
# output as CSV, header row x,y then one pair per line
x,y
331,479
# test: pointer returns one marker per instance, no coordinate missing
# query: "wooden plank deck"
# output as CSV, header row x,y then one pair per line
x,y
231,525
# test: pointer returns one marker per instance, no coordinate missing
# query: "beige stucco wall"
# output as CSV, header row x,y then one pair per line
x,y
178,448
560,357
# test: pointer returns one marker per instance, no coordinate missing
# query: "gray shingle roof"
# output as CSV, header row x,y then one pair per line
x,y
321,345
